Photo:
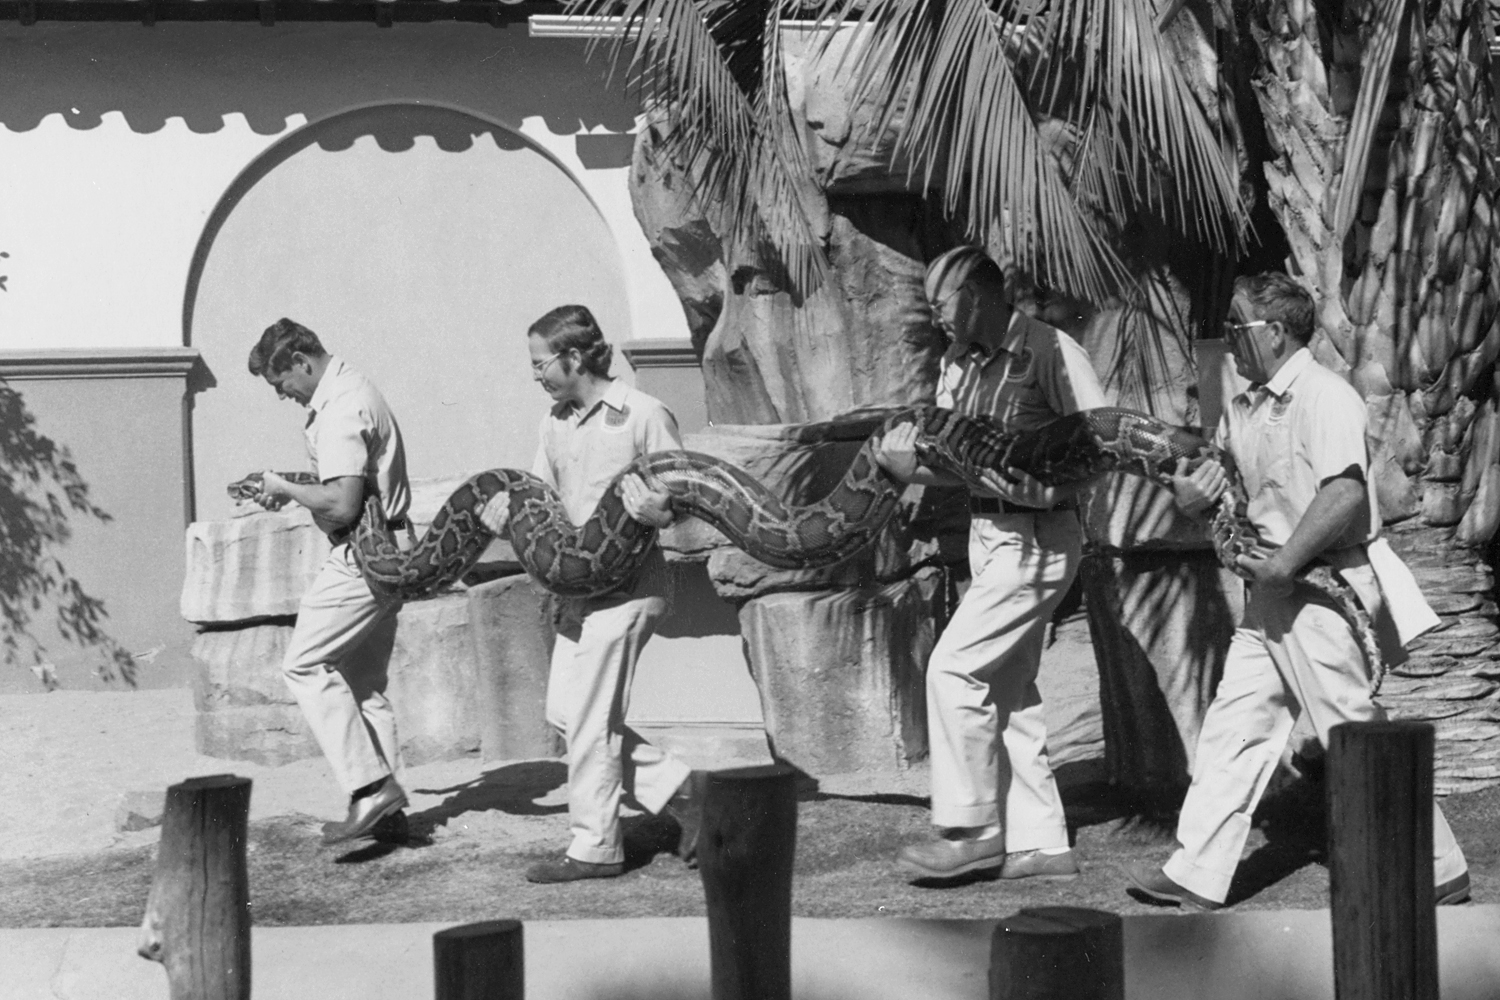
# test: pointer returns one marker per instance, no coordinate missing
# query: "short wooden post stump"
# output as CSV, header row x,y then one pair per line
x,y
483,961
197,919
746,845
1380,861
1058,953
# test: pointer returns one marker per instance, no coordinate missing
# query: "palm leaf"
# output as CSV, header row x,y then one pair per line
x,y
715,67
943,75
946,73
1165,148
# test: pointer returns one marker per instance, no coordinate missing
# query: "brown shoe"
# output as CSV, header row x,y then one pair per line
x,y
366,812
1152,883
571,870
1453,891
1035,864
944,858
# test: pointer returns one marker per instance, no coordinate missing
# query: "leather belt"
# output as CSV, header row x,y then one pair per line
x,y
996,505
341,536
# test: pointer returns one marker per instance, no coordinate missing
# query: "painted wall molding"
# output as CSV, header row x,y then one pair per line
x,y
112,362
660,352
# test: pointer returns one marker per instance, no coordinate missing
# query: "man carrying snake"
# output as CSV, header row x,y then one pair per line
x,y
1297,439
994,798
597,426
336,663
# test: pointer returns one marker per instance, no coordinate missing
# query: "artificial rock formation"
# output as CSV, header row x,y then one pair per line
x,y
245,711
1160,607
838,654
777,358
511,628
841,673
244,579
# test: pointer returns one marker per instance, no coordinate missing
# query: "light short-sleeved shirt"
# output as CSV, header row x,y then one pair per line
x,y
351,431
581,452
1289,437
1034,375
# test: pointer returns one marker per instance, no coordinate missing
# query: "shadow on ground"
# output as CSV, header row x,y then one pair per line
x,y
510,788
846,864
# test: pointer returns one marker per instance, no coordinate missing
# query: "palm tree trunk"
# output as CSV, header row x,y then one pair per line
x,y
1409,309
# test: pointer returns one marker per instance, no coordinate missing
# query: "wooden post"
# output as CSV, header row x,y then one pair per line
x,y
1380,861
746,844
1058,953
197,919
483,961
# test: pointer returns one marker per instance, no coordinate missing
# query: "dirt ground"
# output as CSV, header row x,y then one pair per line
x,y
72,758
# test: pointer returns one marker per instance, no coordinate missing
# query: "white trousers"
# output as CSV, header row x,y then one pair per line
x,y
981,682
1289,656
599,641
336,669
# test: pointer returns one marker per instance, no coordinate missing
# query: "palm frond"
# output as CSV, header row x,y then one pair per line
x,y
1112,57
942,73
715,68
965,84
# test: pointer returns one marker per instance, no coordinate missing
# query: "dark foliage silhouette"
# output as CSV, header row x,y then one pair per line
x,y
40,488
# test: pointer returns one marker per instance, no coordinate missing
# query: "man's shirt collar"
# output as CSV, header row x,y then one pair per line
x,y
324,392
614,397
1281,382
1295,365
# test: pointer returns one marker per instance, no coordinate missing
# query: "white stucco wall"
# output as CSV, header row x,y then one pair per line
x,y
128,136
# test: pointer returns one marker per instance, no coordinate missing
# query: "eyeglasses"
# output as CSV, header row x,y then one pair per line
x,y
539,368
1233,329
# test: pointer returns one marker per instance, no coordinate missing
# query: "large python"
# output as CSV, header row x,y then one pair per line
x,y
604,553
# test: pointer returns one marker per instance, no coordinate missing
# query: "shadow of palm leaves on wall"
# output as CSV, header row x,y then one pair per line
x,y
40,489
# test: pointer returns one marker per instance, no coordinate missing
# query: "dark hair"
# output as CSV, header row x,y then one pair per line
x,y
283,338
569,328
1278,298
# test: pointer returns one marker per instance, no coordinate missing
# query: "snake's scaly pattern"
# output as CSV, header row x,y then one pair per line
x,y
603,553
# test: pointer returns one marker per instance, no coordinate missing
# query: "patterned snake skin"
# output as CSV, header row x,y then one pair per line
x,y
604,552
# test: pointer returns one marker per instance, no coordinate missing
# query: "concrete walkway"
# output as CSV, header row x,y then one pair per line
x,y
1240,956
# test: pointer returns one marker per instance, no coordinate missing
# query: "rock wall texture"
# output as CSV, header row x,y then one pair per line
x,y
838,654
245,711
510,626
841,672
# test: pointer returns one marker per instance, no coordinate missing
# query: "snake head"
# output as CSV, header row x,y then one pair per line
x,y
374,516
246,488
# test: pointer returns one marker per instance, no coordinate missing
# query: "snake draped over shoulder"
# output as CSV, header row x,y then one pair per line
x,y
604,553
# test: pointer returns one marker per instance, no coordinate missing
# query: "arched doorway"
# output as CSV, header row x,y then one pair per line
x,y
419,242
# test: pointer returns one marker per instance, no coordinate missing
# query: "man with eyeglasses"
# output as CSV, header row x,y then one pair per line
x,y
597,427
1297,439
994,799
336,660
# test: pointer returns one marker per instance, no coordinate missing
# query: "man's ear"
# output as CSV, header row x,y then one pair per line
x,y
301,360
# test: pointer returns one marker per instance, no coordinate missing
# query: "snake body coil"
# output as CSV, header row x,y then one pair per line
x,y
604,553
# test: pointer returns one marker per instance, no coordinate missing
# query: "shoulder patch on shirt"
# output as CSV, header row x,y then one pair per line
x,y
615,419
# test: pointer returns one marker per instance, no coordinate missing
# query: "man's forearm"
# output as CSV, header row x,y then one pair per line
x,y
1328,517
928,476
329,503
